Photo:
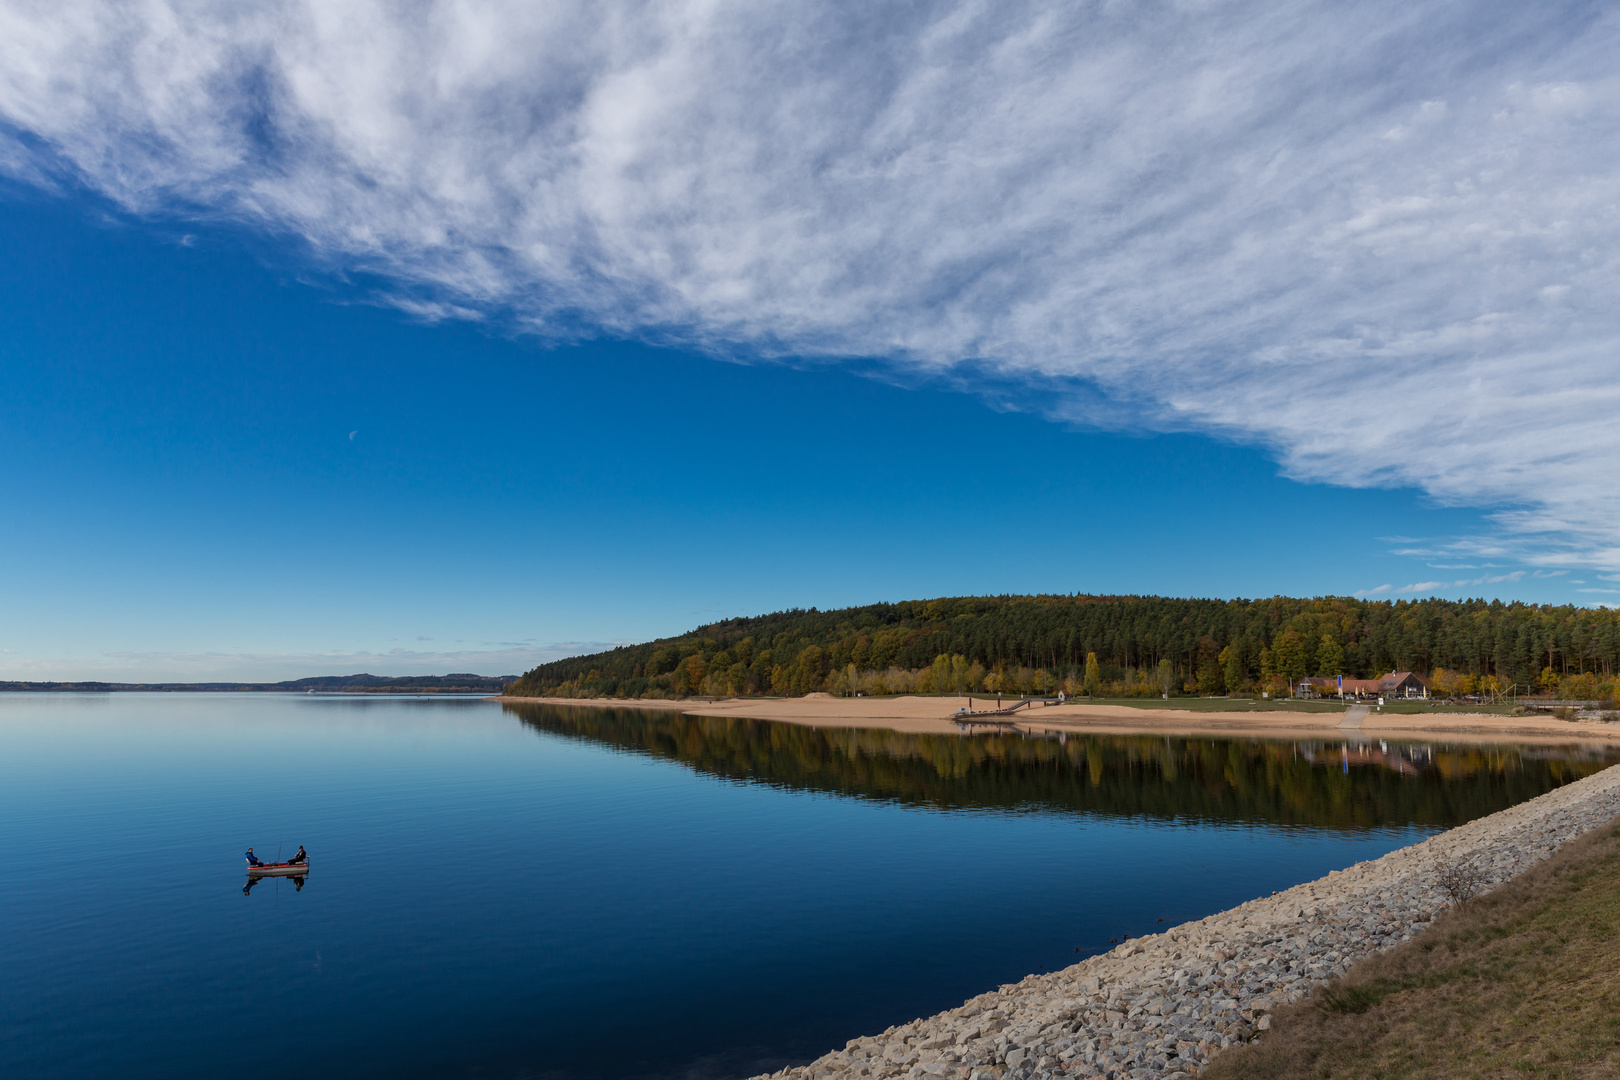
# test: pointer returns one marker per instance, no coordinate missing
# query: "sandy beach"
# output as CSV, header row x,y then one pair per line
x,y
933,715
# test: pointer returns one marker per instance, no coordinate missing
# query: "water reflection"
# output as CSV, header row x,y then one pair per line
x,y
297,880
1347,784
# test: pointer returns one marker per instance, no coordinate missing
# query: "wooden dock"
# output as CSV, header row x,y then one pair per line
x,y
998,717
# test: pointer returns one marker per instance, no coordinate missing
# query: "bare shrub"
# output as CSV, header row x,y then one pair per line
x,y
1459,881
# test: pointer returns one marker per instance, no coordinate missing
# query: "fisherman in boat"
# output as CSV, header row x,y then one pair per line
x,y
300,857
253,860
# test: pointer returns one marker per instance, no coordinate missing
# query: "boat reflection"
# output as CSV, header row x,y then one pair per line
x,y
254,879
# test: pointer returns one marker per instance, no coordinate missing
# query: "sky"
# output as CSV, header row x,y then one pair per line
x,y
460,336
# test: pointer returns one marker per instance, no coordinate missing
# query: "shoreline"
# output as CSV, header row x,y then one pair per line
x,y
1160,1006
931,715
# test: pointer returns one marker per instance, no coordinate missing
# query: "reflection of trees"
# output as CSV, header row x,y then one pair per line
x,y
1233,780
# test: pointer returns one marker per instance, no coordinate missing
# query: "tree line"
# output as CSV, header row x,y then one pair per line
x,y
1109,646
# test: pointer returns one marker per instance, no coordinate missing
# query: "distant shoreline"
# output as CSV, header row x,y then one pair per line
x,y
463,691
459,682
931,715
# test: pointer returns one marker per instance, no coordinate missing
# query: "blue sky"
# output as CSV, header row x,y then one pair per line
x,y
454,338
186,500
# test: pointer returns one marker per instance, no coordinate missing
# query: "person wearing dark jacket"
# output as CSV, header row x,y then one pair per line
x,y
300,857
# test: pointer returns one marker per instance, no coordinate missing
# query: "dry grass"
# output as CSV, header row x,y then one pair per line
x,y
1521,982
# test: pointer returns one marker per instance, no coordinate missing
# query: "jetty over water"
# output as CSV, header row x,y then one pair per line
x,y
1000,716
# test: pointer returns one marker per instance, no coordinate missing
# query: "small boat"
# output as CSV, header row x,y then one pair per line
x,y
279,869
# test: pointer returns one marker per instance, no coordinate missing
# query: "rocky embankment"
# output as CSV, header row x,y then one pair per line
x,y
1160,1006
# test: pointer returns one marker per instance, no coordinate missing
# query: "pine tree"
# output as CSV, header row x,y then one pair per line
x,y
1211,677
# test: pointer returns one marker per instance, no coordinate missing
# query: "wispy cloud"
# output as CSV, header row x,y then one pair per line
x,y
1375,237
1434,586
430,310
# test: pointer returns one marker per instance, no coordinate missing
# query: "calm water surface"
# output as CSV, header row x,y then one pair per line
x,y
595,893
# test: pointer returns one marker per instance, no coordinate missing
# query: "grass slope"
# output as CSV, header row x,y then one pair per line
x,y
1523,982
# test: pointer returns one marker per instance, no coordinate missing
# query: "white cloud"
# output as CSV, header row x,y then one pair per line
x,y
1380,238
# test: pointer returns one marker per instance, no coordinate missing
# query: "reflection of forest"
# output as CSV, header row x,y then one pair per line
x,y
1232,780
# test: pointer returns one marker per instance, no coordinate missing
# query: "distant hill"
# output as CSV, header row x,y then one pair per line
x,y
1143,645
456,683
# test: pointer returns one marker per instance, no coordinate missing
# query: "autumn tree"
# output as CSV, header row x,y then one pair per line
x,y
810,670
695,669
1232,668
1288,654
962,674
1093,681
1329,657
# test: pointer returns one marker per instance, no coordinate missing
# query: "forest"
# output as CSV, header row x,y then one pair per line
x,y
1110,646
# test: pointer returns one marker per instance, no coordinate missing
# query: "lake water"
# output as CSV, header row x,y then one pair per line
x,y
593,893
